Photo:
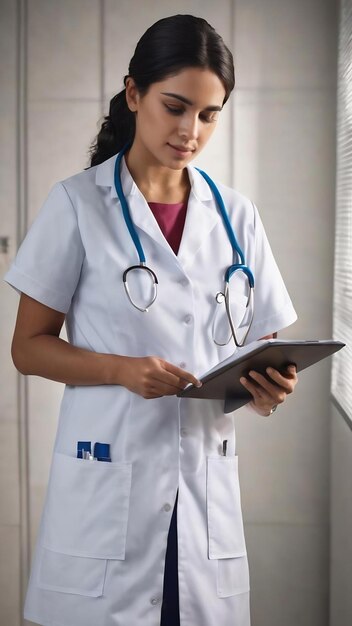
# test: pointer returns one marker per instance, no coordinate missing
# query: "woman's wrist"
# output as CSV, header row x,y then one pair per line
x,y
263,412
113,370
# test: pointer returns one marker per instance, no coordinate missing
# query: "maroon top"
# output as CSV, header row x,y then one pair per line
x,y
171,220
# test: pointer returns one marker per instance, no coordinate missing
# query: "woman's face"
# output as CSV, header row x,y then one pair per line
x,y
176,117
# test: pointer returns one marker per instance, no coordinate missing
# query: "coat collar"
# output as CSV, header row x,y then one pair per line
x,y
201,216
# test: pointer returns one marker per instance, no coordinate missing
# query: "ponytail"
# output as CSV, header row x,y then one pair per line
x,y
116,131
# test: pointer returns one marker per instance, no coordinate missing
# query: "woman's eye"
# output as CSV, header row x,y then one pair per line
x,y
174,110
209,118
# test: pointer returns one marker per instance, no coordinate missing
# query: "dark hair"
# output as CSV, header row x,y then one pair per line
x,y
168,46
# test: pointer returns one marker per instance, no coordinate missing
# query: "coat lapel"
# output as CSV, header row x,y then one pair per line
x,y
201,216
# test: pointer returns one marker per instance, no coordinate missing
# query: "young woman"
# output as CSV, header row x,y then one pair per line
x,y
109,550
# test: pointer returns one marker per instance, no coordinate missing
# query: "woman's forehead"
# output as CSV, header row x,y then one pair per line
x,y
194,84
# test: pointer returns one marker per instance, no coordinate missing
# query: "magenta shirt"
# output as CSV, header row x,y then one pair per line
x,y
171,220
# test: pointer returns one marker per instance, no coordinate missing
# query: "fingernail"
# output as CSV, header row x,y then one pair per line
x,y
199,384
243,380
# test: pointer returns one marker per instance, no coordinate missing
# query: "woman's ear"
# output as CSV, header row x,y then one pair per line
x,y
132,95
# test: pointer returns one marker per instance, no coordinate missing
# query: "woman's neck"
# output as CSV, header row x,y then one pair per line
x,y
158,183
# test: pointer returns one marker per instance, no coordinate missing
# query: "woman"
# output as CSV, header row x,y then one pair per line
x,y
109,551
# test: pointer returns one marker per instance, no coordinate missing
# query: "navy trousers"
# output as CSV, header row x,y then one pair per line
x,y
170,612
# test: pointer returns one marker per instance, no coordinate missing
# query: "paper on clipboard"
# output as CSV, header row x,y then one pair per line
x,y
223,380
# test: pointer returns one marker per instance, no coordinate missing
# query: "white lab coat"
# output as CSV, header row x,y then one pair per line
x,y
100,551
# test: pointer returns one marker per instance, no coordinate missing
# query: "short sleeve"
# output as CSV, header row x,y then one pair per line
x,y
48,264
273,309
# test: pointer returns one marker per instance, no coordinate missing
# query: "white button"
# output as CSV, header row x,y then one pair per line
x,y
155,601
188,319
167,507
182,365
183,432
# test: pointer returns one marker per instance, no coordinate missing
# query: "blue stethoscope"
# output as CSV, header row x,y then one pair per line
x,y
220,297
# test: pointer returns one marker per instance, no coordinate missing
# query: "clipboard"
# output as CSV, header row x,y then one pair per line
x,y
223,380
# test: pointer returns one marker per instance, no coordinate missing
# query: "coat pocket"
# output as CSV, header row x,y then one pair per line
x,y
87,507
225,525
71,574
226,540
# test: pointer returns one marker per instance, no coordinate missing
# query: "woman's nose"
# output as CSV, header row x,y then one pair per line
x,y
189,127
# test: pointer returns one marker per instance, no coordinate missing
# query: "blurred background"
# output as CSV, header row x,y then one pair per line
x,y
278,143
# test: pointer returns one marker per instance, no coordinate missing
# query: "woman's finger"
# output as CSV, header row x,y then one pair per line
x,y
182,374
168,379
253,389
288,381
275,392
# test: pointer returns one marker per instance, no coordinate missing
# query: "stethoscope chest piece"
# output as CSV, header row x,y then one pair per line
x,y
153,280
220,297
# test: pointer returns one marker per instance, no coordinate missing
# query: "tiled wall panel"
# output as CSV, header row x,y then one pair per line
x,y
284,460
8,200
63,50
280,44
287,585
284,160
10,608
9,432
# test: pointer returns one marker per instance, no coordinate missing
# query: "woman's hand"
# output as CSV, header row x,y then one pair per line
x,y
268,393
152,377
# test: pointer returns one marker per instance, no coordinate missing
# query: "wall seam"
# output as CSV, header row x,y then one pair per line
x,y
102,57
232,118
22,225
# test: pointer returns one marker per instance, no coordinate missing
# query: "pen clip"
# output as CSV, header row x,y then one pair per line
x,y
224,447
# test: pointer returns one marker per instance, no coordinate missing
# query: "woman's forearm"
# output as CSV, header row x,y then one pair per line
x,y
56,359
53,358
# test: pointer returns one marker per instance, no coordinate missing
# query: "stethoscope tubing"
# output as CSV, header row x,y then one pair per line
x,y
142,260
230,232
124,205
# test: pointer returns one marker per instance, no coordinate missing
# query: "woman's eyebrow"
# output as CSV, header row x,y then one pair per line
x,y
186,101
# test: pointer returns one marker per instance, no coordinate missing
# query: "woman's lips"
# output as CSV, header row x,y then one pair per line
x,y
181,150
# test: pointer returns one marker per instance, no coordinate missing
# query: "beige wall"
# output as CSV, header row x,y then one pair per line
x,y
276,144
